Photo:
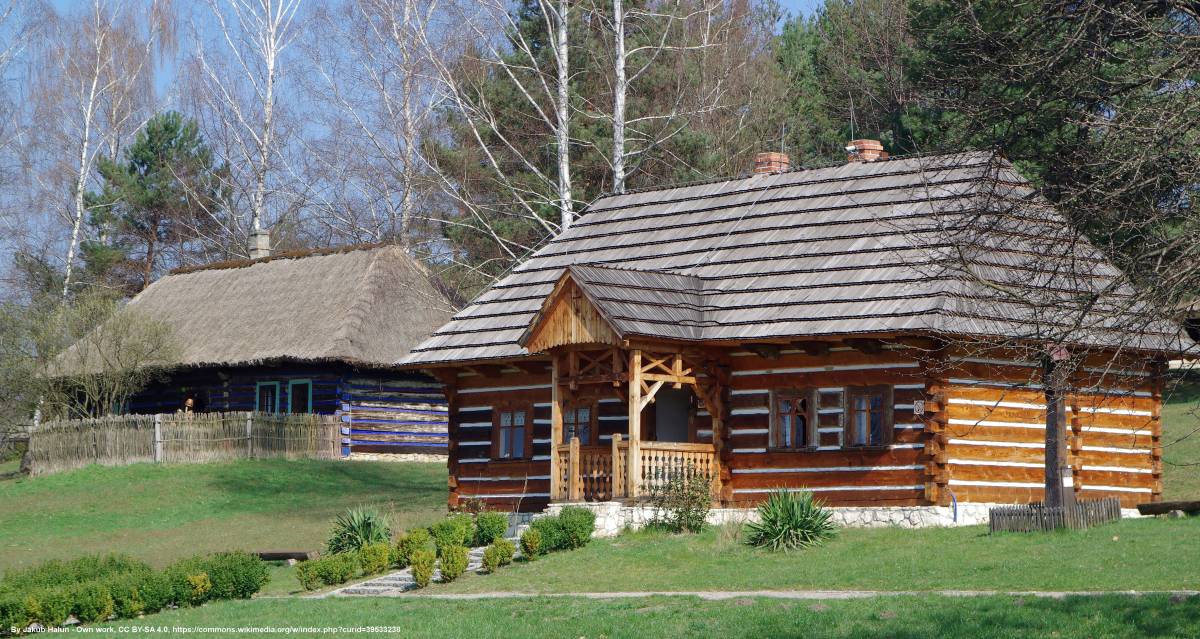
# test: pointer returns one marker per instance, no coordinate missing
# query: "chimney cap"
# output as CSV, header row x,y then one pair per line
x,y
864,150
769,162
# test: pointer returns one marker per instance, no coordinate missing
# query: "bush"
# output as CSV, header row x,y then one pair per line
x,y
330,570
577,526
500,553
12,612
489,527
48,606
235,575
408,543
454,562
126,594
92,602
789,521
422,567
337,569
356,528
454,530
374,558
682,503
156,592
306,574
531,544
549,531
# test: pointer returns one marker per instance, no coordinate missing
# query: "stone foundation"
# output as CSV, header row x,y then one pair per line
x,y
612,517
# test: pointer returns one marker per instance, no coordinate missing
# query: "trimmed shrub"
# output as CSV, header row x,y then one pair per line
x,y
789,521
337,569
91,602
48,606
550,533
126,594
422,567
235,575
500,553
356,528
157,592
490,526
374,558
200,587
306,574
577,526
408,543
531,544
454,530
454,562
12,612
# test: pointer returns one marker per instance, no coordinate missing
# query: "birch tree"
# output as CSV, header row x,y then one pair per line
x,y
234,84
372,81
94,72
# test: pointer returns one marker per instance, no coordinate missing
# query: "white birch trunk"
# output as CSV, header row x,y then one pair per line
x,y
620,86
565,201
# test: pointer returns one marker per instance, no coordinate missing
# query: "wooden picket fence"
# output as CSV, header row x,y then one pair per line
x,y
126,439
1036,517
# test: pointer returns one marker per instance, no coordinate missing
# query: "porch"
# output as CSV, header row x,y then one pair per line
x,y
635,463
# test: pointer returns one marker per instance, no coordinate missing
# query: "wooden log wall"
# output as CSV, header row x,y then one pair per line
x,y
995,432
893,475
393,413
508,485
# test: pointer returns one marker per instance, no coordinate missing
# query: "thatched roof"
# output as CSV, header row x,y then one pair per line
x,y
839,251
360,305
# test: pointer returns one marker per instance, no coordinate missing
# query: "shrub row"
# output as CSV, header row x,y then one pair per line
x,y
338,568
95,588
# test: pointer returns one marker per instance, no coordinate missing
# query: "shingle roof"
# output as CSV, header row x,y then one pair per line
x,y
366,305
852,249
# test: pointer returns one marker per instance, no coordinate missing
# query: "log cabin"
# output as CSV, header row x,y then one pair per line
x,y
315,331
782,330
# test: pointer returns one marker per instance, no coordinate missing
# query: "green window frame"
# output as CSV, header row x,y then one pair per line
x,y
307,383
258,397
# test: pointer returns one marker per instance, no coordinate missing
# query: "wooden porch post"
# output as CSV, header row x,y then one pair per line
x,y
574,481
635,423
618,477
556,420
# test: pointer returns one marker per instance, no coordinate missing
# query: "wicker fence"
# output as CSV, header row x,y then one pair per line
x,y
1035,517
127,439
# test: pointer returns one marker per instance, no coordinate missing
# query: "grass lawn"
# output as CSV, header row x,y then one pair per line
x,y
1181,442
10,466
998,617
159,513
1149,554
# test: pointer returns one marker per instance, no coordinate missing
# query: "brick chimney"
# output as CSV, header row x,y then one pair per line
x,y
260,244
771,162
865,151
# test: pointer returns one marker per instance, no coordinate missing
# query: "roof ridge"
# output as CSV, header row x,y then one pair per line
x,y
282,255
804,169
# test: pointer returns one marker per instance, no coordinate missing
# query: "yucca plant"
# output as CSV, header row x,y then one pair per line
x,y
790,521
356,528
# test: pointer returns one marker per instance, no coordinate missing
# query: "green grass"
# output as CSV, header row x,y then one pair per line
x,y
999,617
1148,554
159,513
1181,442
10,466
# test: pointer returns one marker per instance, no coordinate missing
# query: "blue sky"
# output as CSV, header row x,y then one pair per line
x,y
797,7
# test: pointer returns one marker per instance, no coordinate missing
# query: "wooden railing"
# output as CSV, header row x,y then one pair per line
x,y
627,469
660,462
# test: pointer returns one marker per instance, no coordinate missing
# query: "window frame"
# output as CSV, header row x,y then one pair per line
x,y
887,410
497,433
258,397
292,383
593,421
812,415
